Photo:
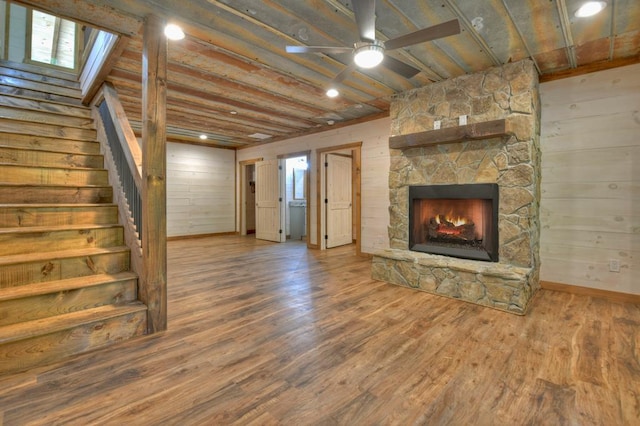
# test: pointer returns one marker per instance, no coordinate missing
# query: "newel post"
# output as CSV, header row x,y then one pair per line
x,y
154,148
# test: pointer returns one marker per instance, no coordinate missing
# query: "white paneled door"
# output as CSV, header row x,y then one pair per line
x,y
339,200
269,202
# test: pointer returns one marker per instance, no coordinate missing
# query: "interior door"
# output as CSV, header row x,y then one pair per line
x,y
268,202
339,200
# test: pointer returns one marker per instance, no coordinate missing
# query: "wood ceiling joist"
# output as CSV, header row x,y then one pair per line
x,y
209,83
318,10
199,59
202,103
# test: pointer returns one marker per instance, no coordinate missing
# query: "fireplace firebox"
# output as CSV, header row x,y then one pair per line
x,y
455,220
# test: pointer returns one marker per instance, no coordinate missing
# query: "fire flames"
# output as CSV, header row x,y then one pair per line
x,y
451,227
455,221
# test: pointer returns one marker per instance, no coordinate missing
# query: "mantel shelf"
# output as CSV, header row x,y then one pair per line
x,y
483,130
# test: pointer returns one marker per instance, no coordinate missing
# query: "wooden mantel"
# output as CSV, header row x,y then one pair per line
x,y
483,130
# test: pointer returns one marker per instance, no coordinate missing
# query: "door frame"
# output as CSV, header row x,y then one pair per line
x,y
243,198
321,192
307,189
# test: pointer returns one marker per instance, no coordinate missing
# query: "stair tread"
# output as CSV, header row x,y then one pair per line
x,y
47,151
53,167
54,205
38,69
67,284
51,185
43,326
47,101
84,141
59,254
53,228
39,116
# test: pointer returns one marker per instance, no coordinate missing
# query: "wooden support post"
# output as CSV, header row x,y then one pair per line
x,y
154,165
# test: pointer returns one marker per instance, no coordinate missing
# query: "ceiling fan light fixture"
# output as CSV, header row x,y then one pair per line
x,y
369,55
332,92
590,8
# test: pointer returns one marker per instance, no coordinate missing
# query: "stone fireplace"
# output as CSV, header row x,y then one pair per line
x,y
481,245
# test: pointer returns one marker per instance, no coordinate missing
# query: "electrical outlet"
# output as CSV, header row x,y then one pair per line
x,y
614,265
436,124
462,120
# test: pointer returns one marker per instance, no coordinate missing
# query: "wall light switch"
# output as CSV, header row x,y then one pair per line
x,y
462,120
436,124
614,265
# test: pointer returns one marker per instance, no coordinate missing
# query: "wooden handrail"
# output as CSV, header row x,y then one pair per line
x,y
126,135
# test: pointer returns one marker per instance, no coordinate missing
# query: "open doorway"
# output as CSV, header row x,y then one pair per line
x,y
274,196
248,196
338,198
296,183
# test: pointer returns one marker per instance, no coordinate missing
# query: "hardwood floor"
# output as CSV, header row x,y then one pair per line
x,y
263,333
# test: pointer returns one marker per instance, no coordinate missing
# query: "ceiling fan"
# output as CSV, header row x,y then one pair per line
x,y
369,52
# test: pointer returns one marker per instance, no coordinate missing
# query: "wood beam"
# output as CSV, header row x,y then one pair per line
x,y
589,68
154,165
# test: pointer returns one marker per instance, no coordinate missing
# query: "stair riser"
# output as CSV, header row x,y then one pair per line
x,y
48,305
24,216
27,175
59,269
42,87
48,159
45,106
45,195
57,78
24,354
45,117
48,130
42,143
35,94
30,242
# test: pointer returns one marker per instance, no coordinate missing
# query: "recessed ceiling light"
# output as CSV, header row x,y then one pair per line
x,y
203,137
173,32
332,93
590,8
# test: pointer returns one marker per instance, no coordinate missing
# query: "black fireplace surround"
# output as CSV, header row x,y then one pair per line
x,y
455,220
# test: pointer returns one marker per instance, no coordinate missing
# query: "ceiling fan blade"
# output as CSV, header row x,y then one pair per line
x,y
318,49
365,14
399,67
343,74
431,33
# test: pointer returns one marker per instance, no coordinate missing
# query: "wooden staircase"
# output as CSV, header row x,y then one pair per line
x,y
65,282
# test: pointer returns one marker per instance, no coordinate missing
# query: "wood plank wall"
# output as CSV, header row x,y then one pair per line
x,y
200,190
374,136
590,207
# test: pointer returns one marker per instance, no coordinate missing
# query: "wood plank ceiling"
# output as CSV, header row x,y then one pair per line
x,y
230,78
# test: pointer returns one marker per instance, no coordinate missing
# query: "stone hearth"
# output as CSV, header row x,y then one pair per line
x,y
499,145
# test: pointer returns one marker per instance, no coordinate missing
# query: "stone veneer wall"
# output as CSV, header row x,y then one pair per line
x,y
513,161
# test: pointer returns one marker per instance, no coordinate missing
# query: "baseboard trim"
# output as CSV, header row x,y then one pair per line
x,y
190,237
593,292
